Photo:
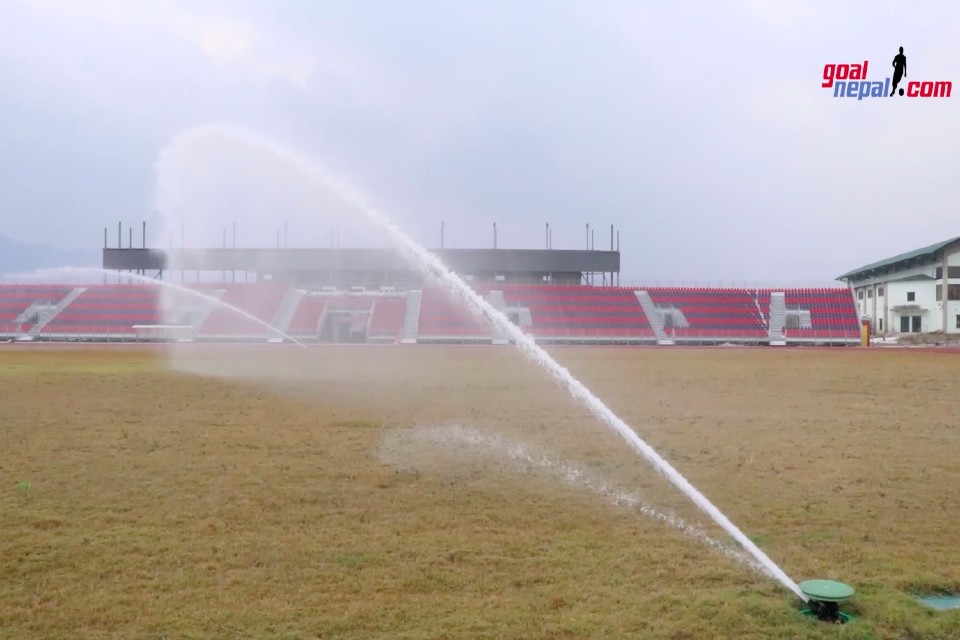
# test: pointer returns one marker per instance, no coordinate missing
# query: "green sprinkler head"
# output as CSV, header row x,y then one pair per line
x,y
825,597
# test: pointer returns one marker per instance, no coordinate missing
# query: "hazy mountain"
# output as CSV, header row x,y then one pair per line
x,y
17,257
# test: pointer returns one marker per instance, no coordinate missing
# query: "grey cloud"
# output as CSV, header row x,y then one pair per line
x,y
700,129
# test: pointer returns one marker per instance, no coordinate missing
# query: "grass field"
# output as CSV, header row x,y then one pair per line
x,y
378,493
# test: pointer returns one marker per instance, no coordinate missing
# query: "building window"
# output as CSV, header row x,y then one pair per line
x,y
910,324
879,291
860,294
958,322
953,292
881,323
911,296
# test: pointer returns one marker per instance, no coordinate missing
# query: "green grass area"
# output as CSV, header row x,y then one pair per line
x,y
140,502
40,360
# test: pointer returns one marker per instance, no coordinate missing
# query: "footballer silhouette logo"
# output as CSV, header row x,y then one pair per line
x,y
899,70
853,81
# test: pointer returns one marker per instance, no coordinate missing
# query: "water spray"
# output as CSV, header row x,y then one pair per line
x,y
186,291
431,267
398,449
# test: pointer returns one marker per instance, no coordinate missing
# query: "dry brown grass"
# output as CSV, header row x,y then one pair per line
x,y
168,505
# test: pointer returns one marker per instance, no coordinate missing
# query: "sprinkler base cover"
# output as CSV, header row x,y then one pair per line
x,y
825,598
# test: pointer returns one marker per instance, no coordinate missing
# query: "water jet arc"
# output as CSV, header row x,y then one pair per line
x,y
187,291
431,267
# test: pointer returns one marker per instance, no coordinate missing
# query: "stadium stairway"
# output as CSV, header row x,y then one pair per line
x,y
49,316
20,306
498,302
288,307
40,311
699,315
104,312
654,317
411,319
778,318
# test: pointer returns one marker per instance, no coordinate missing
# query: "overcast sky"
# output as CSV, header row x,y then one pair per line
x,y
699,128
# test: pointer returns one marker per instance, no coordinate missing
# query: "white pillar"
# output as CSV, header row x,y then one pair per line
x,y
944,289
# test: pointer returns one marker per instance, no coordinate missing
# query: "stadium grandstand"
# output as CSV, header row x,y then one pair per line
x,y
372,296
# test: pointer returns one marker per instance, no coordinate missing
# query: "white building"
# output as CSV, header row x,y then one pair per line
x,y
905,293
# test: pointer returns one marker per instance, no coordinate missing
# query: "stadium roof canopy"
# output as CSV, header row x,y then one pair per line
x,y
371,266
901,261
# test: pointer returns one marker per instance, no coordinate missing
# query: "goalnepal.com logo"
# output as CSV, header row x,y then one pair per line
x,y
852,81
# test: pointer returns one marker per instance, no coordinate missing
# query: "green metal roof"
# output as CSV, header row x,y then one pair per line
x,y
903,257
